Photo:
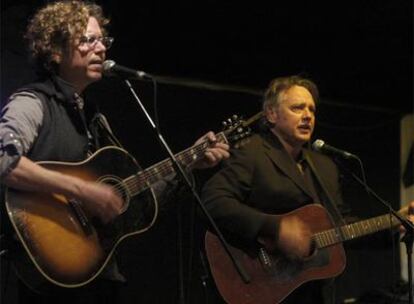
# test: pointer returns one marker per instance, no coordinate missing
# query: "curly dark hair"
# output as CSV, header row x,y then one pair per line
x,y
55,26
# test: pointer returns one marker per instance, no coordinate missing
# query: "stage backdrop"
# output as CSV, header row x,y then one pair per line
x,y
407,175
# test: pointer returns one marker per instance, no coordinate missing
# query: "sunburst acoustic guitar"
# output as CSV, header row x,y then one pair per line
x,y
66,247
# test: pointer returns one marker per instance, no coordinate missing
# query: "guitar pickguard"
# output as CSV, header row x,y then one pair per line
x,y
284,270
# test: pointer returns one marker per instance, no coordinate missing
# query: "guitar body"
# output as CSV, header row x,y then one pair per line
x,y
65,245
273,278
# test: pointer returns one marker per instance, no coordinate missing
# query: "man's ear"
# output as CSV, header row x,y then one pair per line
x,y
271,114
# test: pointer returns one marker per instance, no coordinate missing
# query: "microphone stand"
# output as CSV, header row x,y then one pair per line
x,y
407,239
179,169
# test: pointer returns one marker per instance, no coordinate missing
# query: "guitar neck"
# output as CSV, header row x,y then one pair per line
x,y
355,230
145,178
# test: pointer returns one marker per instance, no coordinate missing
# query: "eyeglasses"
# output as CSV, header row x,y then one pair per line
x,y
92,41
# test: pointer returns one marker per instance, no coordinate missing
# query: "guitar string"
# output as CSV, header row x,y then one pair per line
x,y
329,237
164,167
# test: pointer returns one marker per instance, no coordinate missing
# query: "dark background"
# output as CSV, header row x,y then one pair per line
x,y
360,53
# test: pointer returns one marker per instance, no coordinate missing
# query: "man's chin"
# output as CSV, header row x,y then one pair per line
x,y
94,76
304,138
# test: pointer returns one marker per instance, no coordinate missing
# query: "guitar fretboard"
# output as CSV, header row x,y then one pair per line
x,y
137,183
355,230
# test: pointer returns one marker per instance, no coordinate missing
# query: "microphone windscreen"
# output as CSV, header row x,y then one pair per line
x,y
107,66
318,144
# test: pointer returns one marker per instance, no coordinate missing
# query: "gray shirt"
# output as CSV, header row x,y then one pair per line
x,y
20,121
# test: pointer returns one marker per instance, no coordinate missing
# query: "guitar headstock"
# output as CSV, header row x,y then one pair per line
x,y
236,130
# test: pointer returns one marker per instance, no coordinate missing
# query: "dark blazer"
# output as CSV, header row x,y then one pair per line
x,y
262,178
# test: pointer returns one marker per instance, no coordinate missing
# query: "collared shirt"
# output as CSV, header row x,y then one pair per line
x,y
307,175
21,120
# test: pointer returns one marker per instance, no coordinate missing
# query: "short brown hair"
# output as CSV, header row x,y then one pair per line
x,y
281,84
55,25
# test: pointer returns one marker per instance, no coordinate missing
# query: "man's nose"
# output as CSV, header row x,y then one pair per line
x,y
307,114
100,47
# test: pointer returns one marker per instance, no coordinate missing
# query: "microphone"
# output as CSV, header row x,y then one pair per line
x,y
111,68
320,146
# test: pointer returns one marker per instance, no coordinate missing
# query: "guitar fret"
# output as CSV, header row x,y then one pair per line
x,y
339,235
336,234
321,241
354,233
345,232
357,229
350,234
371,225
143,179
367,226
361,228
326,239
324,243
351,231
330,237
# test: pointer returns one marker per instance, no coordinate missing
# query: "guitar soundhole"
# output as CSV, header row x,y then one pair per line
x,y
119,187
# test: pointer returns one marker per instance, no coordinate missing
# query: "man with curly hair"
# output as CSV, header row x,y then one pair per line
x,y
45,121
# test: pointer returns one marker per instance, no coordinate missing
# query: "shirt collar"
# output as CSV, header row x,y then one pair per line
x,y
65,91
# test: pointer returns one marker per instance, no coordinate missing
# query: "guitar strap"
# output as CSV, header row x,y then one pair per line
x,y
79,106
100,121
331,204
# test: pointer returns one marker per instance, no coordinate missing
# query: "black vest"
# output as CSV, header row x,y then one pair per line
x,y
62,135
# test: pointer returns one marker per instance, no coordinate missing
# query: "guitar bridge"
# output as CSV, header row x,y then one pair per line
x,y
265,260
80,216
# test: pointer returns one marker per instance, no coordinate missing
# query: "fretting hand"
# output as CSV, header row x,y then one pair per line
x,y
410,216
215,153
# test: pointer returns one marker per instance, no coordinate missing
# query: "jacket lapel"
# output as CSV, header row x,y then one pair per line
x,y
277,153
328,199
320,178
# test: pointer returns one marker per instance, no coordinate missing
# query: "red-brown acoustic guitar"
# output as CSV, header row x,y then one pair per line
x,y
274,277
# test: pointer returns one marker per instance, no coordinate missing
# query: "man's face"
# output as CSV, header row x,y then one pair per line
x,y
81,64
294,116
